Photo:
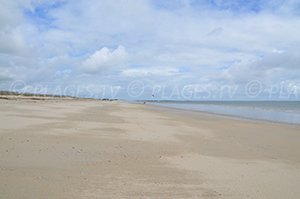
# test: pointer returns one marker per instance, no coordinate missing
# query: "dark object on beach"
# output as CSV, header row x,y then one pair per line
x,y
107,99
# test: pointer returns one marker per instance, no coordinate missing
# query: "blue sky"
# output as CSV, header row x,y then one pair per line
x,y
179,49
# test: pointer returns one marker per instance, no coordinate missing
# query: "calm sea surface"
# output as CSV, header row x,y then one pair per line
x,y
276,111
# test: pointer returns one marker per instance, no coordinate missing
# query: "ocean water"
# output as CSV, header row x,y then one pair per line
x,y
274,111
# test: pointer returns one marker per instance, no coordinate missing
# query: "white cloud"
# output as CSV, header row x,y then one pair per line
x,y
105,59
192,42
12,42
150,71
272,68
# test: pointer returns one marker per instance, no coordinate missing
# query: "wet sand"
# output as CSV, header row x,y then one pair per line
x,y
93,149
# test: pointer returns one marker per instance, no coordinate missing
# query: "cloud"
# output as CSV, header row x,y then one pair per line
x,y
150,71
105,58
12,42
272,68
182,42
5,75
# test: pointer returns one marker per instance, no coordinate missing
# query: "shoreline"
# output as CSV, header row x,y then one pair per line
x,y
238,117
91,149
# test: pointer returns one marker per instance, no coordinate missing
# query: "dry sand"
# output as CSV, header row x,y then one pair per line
x,y
93,149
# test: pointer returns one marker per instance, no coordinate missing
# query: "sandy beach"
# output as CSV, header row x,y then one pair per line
x,y
72,148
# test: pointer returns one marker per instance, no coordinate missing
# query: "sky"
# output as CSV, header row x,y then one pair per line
x,y
152,49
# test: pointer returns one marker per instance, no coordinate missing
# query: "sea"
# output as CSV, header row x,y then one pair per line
x,y
273,111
